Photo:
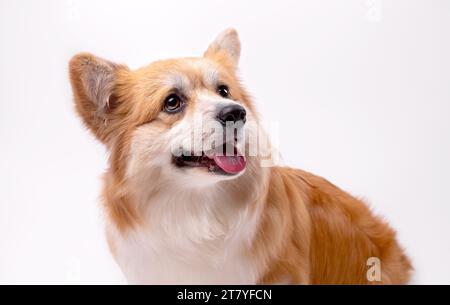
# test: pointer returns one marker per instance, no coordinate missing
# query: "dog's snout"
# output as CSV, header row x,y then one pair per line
x,y
232,113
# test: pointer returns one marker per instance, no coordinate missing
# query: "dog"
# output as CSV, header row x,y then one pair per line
x,y
177,213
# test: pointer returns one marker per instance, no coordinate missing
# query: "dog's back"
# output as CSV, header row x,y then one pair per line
x,y
343,240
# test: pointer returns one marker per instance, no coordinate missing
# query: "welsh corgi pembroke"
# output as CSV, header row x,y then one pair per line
x,y
188,198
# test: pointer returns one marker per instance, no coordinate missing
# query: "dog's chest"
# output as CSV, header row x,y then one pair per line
x,y
146,259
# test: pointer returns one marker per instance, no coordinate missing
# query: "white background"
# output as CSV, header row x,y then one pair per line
x,y
360,88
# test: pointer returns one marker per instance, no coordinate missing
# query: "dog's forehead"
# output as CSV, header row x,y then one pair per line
x,y
188,74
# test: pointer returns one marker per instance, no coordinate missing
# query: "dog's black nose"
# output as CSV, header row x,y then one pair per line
x,y
232,113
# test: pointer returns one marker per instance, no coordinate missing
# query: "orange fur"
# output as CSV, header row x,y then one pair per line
x,y
309,230
327,234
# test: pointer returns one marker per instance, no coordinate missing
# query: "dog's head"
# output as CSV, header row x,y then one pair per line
x,y
184,119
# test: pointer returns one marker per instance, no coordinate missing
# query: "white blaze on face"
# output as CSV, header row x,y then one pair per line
x,y
209,72
199,130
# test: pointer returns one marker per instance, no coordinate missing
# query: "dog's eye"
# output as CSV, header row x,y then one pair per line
x,y
223,91
173,103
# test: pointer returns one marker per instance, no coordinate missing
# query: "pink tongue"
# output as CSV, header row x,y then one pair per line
x,y
230,164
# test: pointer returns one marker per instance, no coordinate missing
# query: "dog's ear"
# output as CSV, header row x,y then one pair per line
x,y
94,83
226,44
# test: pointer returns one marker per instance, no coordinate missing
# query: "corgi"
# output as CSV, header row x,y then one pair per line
x,y
180,213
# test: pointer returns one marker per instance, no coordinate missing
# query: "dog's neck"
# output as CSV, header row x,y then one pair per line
x,y
201,215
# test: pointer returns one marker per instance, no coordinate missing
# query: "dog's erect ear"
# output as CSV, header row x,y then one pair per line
x,y
93,83
228,44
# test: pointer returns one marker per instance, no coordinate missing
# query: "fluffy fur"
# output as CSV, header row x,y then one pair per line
x,y
172,225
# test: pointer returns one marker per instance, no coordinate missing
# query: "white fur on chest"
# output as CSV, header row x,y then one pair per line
x,y
189,243
143,264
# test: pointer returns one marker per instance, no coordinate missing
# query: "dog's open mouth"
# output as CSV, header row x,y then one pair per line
x,y
217,161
